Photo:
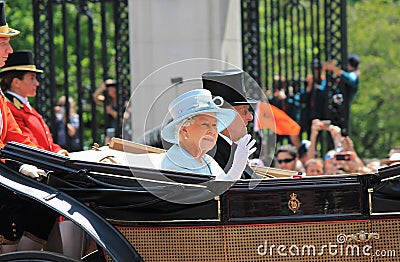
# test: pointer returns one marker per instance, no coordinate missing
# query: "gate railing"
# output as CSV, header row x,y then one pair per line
x,y
77,57
280,39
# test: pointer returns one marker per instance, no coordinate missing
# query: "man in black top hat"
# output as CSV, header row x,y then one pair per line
x,y
229,84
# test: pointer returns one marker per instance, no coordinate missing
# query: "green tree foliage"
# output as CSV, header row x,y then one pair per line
x,y
19,16
373,33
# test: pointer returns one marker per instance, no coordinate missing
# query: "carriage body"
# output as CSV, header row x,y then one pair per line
x,y
187,217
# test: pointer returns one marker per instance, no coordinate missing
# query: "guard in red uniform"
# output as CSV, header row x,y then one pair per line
x,y
18,82
9,130
18,216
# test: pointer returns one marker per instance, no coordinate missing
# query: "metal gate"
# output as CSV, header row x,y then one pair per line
x,y
282,38
81,43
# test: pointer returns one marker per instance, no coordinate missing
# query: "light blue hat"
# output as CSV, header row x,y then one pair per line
x,y
195,102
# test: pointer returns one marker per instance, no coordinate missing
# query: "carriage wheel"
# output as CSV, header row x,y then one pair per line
x,y
35,256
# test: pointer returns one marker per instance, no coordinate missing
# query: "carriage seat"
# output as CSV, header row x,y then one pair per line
x,y
111,156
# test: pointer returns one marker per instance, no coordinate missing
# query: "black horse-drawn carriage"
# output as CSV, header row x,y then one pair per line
x,y
138,213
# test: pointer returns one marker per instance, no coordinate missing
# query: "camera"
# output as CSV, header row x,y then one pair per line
x,y
111,84
337,99
343,156
62,110
326,124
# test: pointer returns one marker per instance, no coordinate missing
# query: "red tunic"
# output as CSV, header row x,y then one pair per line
x,y
32,124
9,129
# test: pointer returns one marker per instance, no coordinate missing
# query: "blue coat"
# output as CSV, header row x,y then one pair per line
x,y
178,159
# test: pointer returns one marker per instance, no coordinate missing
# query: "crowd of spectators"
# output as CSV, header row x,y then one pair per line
x,y
308,104
342,158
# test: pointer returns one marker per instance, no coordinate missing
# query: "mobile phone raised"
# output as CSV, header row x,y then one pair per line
x,y
326,123
343,156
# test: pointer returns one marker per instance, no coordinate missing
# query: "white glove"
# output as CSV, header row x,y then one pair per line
x,y
63,152
243,151
32,171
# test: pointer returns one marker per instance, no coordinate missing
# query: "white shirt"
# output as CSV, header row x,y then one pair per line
x,y
21,98
227,139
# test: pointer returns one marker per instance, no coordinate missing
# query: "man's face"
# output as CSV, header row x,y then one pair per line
x,y
5,50
244,112
238,128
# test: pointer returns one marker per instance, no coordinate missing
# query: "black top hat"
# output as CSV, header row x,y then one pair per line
x,y
229,84
5,31
20,61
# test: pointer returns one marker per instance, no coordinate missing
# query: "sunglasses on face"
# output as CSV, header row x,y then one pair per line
x,y
287,160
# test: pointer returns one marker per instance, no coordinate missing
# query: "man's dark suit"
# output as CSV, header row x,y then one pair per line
x,y
223,153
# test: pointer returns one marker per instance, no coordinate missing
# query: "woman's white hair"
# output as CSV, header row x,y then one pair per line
x,y
186,122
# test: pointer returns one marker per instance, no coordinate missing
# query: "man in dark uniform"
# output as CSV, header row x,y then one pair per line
x,y
229,84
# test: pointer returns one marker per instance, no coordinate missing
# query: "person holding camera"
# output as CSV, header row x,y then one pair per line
x,y
283,97
109,88
67,133
277,96
343,157
315,96
349,77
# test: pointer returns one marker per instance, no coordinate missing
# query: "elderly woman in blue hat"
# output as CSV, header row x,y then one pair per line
x,y
197,120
